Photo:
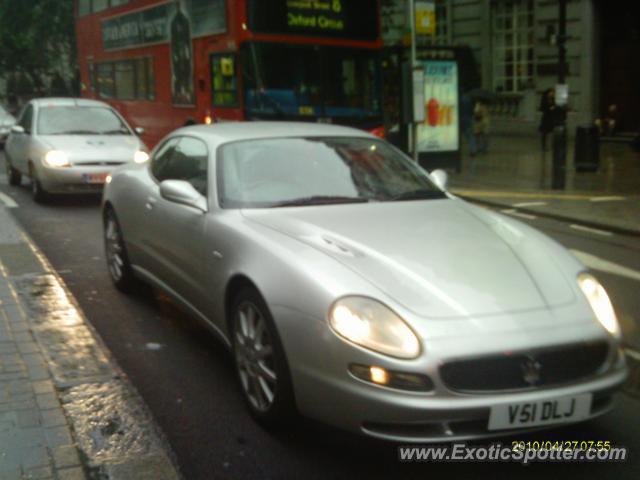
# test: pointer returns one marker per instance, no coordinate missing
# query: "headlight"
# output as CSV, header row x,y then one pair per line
x,y
140,156
370,324
56,159
600,303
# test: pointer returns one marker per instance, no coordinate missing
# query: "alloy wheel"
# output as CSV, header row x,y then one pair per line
x,y
255,359
114,250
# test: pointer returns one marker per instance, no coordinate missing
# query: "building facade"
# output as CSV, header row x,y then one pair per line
x,y
513,43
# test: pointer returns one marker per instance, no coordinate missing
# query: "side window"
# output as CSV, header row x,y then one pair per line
x,y
26,119
192,163
162,158
188,160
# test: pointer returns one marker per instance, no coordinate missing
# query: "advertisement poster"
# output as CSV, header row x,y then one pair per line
x,y
176,22
151,26
181,57
439,131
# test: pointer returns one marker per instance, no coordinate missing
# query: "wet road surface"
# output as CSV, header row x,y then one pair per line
x,y
186,376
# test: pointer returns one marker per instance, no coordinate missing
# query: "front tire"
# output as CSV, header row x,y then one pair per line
x,y
39,194
261,364
14,176
118,264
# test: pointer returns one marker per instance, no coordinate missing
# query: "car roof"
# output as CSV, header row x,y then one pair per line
x,y
68,102
233,131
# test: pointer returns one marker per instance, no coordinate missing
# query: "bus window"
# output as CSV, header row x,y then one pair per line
x,y
106,83
84,7
224,80
125,80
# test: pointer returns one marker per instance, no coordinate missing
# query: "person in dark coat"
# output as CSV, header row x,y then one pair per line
x,y
549,115
466,122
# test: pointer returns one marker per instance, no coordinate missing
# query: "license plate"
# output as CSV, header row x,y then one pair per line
x,y
543,412
94,177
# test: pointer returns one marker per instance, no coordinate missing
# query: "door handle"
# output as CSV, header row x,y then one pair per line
x,y
151,202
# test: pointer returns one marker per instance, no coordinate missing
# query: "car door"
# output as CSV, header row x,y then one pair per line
x,y
19,145
175,232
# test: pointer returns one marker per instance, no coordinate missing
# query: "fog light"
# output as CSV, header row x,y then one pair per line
x,y
378,375
398,380
108,179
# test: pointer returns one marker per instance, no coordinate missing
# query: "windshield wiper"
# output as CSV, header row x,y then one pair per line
x,y
417,195
77,132
120,131
319,200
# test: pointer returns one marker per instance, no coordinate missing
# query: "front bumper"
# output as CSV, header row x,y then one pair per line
x,y
327,392
72,179
400,416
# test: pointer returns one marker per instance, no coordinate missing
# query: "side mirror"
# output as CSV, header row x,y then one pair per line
x,y
18,129
440,178
139,131
182,192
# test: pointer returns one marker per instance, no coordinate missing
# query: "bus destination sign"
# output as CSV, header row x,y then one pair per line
x,y
310,15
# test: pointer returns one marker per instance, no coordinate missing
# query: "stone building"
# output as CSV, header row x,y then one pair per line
x,y
513,43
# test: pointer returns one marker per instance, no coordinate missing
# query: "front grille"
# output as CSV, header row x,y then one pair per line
x,y
525,370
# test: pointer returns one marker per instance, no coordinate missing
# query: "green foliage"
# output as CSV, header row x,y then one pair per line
x,y
34,36
19,84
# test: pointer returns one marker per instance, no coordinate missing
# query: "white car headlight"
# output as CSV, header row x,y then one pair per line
x,y
600,303
140,156
56,159
370,324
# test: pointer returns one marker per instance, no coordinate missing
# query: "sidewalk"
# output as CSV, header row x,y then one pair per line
x,y
67,412
517,174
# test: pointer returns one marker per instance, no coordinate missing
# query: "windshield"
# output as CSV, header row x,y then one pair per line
x,y
311,81
311,171
71,120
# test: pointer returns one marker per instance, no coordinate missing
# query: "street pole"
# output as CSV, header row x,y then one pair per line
x,y
414,126
560,130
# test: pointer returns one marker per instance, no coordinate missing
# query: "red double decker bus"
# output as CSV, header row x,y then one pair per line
x,y
164,64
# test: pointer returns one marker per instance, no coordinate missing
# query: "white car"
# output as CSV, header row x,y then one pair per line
x,y
69,146
6,122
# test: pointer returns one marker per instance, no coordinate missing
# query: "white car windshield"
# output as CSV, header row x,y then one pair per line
x,y
72,120
312,171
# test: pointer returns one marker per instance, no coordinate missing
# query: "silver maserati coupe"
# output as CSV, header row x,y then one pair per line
x,y
352,288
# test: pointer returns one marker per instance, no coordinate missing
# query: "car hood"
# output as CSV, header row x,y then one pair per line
x,y
437,258
95,148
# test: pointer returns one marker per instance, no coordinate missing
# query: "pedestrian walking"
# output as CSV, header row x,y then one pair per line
x,y
466,122
549,115
481,123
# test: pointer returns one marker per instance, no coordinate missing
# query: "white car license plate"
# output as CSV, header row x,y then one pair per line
x,y
94,177
543,412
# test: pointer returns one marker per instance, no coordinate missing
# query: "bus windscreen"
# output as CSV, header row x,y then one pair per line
x,y
289,81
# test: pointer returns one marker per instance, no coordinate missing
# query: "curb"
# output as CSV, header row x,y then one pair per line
x,y
554,216
113,429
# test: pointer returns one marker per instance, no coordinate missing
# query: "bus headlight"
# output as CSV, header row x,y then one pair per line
x,y
600,303
140,156
370,324
56,159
